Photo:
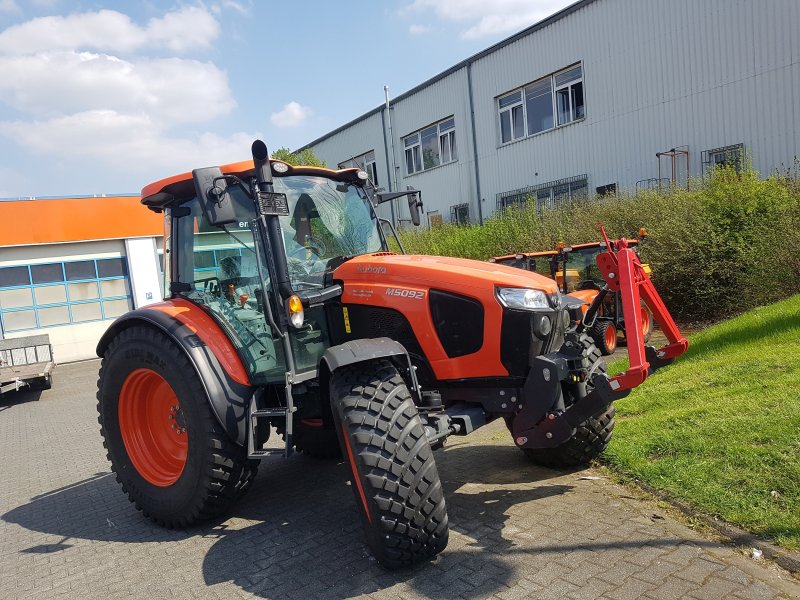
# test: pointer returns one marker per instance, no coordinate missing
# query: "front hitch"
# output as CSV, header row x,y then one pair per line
x,y
544,421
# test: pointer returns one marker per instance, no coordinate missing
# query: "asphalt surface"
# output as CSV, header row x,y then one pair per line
x,y
517,531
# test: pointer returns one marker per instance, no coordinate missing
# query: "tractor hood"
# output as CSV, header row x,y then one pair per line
x,y
440,272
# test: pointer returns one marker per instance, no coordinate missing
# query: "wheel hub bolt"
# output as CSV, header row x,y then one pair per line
x,y
548,435
521,441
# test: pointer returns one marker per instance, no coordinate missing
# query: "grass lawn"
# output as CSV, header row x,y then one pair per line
x,y
720,428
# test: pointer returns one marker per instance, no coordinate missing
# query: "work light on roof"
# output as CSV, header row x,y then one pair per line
x,y
362,175
280,167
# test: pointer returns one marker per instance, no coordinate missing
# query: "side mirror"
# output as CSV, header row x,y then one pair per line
x,y
212,191
414,204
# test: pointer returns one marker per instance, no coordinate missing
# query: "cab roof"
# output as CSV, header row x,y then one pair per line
x,y
520,255
178,188
546,253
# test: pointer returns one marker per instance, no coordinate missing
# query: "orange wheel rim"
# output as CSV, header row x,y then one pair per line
x,y
611,337
153,428
645,321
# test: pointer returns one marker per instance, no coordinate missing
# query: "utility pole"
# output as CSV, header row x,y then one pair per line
x,y
393,174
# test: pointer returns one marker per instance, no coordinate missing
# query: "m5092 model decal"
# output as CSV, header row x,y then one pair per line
x,y
403,293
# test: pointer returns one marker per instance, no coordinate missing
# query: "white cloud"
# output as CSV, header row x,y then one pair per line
x,y
292,115
490,18
59,83
133,143
240,7
111,31
86,98
418,29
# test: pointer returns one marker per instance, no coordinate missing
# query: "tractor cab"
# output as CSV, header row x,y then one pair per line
x,y
260,260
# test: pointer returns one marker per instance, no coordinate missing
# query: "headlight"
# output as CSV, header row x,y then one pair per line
x,y
523,299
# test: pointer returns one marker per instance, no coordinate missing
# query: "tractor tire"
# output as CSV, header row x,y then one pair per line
x,y
591,437
647,322
604,334
393,472
312,438
169,453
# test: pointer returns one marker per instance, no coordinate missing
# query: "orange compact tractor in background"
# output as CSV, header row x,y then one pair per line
x,y
286,313
575,270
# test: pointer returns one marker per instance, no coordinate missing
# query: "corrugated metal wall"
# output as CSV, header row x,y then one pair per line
x,y
657,75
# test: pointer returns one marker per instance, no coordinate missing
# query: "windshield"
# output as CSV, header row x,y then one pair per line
x,y
584,265
327,219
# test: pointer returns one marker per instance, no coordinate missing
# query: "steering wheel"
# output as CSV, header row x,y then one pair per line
x,y
587,284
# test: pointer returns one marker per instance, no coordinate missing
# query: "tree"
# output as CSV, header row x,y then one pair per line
x,y
304,157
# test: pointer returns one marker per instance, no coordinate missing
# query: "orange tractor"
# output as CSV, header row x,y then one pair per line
x,y
287,314
575,270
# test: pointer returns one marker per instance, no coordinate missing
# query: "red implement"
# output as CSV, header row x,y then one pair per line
x,y
623,272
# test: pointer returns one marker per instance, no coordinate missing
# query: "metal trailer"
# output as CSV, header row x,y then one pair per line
x,y
26,362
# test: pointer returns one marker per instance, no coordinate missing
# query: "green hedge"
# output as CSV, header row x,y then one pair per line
x,y
728,245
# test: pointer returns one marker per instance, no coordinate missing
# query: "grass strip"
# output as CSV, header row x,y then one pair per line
x,y
720,428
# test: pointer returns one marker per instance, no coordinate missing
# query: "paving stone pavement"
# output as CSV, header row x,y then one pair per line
x,y
67,531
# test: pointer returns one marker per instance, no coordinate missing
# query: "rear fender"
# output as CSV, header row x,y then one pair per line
x,y
213,356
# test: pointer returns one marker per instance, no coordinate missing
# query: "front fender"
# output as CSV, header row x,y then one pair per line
x,y
207,347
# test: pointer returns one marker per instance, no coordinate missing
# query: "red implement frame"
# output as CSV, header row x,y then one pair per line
x,y
623,272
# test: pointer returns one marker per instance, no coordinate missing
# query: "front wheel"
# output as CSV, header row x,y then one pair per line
x,y
169,453
393,472
592,436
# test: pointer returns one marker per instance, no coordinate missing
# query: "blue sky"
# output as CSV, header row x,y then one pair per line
x,y
105,97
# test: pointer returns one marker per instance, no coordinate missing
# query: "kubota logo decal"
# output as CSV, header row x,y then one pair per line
x,y
378,270
412,294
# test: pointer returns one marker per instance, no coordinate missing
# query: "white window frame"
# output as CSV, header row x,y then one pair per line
x,y
412,144
569,86
510,110
413,151
521,103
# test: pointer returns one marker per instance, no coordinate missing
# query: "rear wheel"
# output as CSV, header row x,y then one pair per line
x,y
591,437
393,471
604,334
169,453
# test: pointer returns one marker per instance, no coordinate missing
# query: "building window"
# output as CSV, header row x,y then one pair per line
x,y
546,195
61,293
430,147
569,95
512,117
542,105
459,214
732,156
365,162
609,189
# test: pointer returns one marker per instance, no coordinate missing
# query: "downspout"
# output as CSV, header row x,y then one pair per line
x,y
474,143
388,167
393,174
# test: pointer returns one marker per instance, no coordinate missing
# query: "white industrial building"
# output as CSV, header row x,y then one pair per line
x,y
604,95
